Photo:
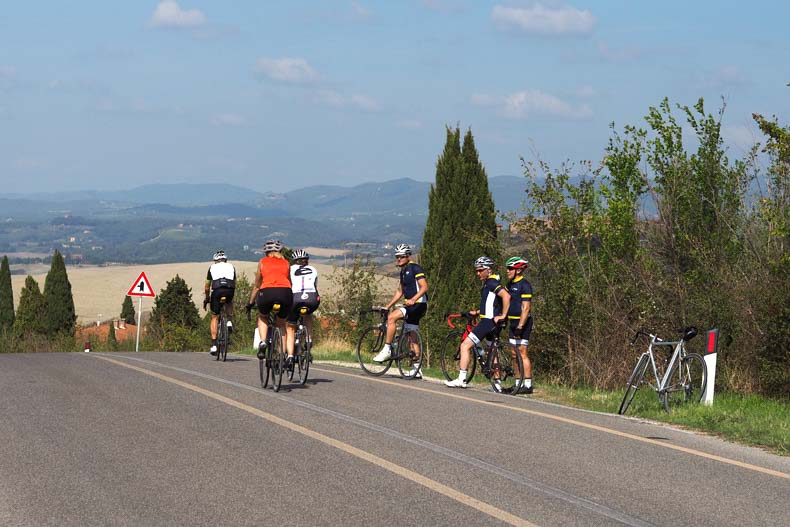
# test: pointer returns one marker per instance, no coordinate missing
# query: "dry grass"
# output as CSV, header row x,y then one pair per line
x,y
101,289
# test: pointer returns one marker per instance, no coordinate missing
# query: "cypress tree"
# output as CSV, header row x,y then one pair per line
x,y
60,314
461,227
127,311
30,317
112,341
174,306
6,296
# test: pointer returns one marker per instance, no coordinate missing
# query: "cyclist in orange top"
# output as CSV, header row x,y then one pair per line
x,y
272,285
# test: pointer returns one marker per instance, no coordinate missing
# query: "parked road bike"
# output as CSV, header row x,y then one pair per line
x,y
303,344
499,363
407,348
677,380
271,367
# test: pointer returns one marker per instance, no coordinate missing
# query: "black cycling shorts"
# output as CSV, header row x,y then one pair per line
x,y
527,329
274,295
218,293
311,302
483,329
413,313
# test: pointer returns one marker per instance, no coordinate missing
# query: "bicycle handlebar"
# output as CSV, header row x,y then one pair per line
x,y
451,316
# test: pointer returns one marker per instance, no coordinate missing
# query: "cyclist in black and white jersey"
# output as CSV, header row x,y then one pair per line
x,y
304,284
413,287
220,281
494,305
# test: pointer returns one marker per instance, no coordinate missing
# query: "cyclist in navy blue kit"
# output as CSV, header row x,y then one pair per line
x,y
494,305
413,287
520,317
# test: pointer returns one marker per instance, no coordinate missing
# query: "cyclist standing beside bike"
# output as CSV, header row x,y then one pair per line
x,y
520,317
304,285
413,287
272,286
220,282
494,305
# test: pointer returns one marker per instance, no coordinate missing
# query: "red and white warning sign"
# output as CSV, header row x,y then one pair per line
x,y
141,287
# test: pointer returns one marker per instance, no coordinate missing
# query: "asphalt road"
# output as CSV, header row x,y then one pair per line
x,y
179,439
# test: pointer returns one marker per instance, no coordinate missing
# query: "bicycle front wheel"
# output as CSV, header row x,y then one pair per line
x,y
277,359
634,381
686,382
409,354
263,367
369,345
451,357
507,368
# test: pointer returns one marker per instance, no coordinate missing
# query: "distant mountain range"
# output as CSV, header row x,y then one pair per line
x,y
177,222
403,195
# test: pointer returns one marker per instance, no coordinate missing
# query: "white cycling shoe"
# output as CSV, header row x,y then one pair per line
x,y
383,355
456,383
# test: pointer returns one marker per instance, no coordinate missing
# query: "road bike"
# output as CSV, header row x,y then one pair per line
x,y
500,364
406,349
303,344
272,364
677,380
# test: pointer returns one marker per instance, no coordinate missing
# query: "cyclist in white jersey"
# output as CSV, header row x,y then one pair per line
x,y
220,282
304,285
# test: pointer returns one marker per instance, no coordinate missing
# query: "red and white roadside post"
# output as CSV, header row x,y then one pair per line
x,y
141,287
711,351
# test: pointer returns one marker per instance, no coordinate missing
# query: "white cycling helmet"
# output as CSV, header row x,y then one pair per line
x,y
272,245
220,255
484,262
300,254
402,250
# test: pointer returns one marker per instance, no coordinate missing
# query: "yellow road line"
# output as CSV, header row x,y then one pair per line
x,y
411,386
403,472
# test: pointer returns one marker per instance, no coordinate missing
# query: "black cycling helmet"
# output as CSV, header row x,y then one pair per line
x,y
484,262
220,255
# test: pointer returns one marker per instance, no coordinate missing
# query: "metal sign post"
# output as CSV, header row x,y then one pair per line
x,y
141,287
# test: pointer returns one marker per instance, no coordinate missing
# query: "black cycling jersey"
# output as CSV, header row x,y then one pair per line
x,y
409,275
490,301
520,291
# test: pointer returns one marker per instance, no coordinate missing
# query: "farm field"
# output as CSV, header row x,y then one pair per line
x,y
99,291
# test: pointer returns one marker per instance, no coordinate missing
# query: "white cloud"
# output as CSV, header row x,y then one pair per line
x,y
541,20
227,119
294,70
169,14
528,103
338,100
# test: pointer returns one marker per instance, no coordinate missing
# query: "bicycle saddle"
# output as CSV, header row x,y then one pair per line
x,y
689,333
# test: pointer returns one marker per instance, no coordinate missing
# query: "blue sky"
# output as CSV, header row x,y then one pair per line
x,y
280,95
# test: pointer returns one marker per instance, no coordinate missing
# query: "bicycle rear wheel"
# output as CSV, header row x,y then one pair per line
x,y
451,357
370,343
263,367
277,358
634,381
507,367
222,338
686,382
304,355
410,353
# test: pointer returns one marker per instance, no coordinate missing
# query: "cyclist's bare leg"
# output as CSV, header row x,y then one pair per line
x,y
527,364
290,338
466,353
214,324
393,317
283,333
263,326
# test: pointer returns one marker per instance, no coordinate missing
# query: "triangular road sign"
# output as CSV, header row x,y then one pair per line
x,y
141,287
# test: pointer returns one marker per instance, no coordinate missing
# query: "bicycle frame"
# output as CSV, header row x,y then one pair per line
x,y
677,354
